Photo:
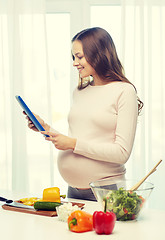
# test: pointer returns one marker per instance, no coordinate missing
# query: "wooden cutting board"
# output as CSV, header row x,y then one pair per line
x,y
37,212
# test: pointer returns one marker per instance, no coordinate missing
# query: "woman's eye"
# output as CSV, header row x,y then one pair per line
x,y
78,57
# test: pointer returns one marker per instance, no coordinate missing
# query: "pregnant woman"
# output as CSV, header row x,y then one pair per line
x,y
103,117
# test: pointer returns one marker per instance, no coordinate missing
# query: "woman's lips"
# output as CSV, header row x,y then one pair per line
x,y
80,69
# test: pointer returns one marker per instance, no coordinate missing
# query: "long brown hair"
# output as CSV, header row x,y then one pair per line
x,y
100,52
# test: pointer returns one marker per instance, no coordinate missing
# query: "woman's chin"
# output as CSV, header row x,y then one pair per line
x,y
84,75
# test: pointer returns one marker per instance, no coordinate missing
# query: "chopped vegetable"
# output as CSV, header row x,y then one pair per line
x,y
104,222
65,210
51,194
80,221
125,204
29,201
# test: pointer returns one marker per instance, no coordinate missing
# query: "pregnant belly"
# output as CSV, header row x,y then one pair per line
x,y
79,171
73,169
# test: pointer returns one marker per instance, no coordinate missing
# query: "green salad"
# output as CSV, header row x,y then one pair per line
x,y
125,204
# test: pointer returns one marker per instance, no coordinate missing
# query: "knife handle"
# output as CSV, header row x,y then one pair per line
x,y
3,199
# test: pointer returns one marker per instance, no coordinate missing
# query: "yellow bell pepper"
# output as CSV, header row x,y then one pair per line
x,y
51,194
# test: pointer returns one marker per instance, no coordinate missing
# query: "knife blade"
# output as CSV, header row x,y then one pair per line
x,y
14,203
19,205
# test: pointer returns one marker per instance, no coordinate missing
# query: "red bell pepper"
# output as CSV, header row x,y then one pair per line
x,y
104,222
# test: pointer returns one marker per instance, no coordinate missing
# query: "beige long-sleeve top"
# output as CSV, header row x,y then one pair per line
x,y
103,119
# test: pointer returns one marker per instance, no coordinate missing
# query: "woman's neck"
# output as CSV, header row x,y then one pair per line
x,y
97,81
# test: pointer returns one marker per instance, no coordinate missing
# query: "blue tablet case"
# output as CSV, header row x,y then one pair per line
x,y
30,114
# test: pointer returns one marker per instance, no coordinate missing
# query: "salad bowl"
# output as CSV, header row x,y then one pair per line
x,y
116,193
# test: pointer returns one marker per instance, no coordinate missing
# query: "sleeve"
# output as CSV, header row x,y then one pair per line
x,y
119,150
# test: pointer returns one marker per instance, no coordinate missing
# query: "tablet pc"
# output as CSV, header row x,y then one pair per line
x,y
30,114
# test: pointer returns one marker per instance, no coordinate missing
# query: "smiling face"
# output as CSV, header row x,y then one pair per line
x,y
79,60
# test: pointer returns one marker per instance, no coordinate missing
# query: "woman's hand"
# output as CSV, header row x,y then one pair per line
x,y
60,141
41,121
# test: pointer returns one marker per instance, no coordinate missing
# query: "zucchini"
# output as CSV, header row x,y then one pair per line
x,y
47,206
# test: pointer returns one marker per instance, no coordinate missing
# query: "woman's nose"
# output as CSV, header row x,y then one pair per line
x,y
75,63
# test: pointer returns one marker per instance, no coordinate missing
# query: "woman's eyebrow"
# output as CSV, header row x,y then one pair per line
x,y
77,53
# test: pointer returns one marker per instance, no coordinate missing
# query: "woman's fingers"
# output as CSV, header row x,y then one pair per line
x,y
30,124
51,139
51,134
29,121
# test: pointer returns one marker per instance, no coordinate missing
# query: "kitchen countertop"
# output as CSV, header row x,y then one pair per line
x,y
23,226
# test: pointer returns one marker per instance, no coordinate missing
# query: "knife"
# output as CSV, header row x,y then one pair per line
x,y
15,204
